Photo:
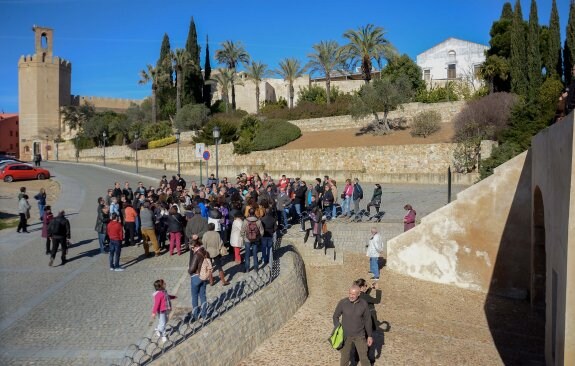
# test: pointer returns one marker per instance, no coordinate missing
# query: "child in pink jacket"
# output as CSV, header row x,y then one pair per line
x,y
162,307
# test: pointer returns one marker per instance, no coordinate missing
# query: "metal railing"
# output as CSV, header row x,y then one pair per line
x,y
179,329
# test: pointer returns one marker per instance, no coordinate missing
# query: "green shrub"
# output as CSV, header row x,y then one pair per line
x,y
426,123
162,142
227,132
316,94
499,155
246,135
83,142
305,110
274,133
192,117
157,131
437,94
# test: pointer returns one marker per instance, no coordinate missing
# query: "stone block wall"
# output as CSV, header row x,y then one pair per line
x,y
448,110
426,164
233,336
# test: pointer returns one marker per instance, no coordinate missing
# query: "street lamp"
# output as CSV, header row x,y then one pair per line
x,y
104,135
76,146
57,142
178,140
47,148
136,137
216,134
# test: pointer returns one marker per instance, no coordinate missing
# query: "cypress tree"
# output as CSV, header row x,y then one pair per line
x,y
500,47
166,84
553,62
533,54
518,62
569,49
193,81
207,75
507,12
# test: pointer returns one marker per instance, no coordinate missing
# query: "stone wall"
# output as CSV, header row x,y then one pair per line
x,y
426,164
448,110
481,241
233,336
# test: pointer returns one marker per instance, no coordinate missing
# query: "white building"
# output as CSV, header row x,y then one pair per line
x,y
452,59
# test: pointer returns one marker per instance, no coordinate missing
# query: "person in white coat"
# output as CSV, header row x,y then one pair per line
x,y
374,248
236,240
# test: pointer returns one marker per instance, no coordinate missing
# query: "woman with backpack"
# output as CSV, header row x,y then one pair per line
x,y
252,231
199,275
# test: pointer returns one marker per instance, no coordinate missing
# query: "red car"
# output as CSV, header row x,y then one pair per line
x,y
12,172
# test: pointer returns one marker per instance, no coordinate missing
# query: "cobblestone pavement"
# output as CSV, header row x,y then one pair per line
x,y
424,323
83,314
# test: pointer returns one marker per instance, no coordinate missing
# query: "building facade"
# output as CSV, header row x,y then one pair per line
x,y
10,140
452,60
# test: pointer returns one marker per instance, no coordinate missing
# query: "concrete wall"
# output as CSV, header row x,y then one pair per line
x,y
447,111
426,164
554,175
237,333
460,243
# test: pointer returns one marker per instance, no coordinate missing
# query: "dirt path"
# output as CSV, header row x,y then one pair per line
x,y
429,324
9,193
352,137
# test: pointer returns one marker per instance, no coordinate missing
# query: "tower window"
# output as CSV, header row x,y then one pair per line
x,y
44,40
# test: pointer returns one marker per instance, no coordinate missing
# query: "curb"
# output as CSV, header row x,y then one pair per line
x,y
106,168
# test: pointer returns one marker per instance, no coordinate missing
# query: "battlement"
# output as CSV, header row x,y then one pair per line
x,y
40,58
104,102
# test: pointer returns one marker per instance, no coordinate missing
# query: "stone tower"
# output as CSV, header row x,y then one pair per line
x,y
44,86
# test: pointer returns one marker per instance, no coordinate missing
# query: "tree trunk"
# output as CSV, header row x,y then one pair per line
x,y
233,96
226,102
327,88
491,86
154,106
178,90
385,124
366,70
257,99
291,95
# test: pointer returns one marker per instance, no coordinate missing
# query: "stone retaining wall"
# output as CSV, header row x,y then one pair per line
x,y
425,164
448,110
237,333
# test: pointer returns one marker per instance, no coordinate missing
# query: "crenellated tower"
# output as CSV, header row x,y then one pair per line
x,y
44,86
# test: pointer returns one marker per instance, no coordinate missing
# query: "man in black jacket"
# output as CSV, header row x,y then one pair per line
x,y
59,231
181,182
270,224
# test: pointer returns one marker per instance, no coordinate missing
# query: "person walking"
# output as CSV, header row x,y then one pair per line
x,y
346,197
409,218
175,229
375,199
48,217
356,323
130,216
147,228
252,231
41,198
102,221
116,235
374,249
162,307
270,224
59,231
24,213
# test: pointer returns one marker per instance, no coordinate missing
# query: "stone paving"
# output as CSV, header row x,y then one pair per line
x,y
83,314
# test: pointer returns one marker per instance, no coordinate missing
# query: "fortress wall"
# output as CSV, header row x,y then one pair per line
x,y
105,103
248,324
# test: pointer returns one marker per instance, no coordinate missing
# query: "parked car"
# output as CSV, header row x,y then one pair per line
x,y
12,172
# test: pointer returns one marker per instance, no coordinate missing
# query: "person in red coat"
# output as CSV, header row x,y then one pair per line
x,y
409,219
116,235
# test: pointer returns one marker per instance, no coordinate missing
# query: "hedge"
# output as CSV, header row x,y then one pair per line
x,y
274,133
162,142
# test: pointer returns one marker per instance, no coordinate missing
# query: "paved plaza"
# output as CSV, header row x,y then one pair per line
x,y
83,314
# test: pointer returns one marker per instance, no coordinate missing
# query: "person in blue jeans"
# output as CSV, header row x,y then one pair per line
x,y
374,249
102,221
197,285
252,232
41,198
270,224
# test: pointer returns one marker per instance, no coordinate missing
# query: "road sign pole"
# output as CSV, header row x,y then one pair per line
x,y
201,178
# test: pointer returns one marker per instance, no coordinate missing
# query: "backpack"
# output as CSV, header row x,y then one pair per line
x,y
206,269
253,232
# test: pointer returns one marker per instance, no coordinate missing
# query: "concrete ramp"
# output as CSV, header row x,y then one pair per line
x,y
459,243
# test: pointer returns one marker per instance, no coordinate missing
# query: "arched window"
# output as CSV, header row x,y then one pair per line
x,y
451,55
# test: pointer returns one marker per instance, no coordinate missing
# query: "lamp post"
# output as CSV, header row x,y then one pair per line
x,y
137,142
104,135
76,146
216,134
47,148
178,140
57,142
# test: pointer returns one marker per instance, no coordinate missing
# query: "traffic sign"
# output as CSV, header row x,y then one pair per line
x,y
206,155
200,148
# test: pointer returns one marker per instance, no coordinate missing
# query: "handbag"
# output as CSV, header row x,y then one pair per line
x,y
343,196
336,339
223,251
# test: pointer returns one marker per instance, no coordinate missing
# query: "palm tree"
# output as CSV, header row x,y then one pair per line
x,y
290,69
365,44
225,78
326,58
256,71
494,67
153,75
180,59
230,55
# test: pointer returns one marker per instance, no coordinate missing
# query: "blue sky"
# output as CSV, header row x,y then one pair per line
x,y
110,41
